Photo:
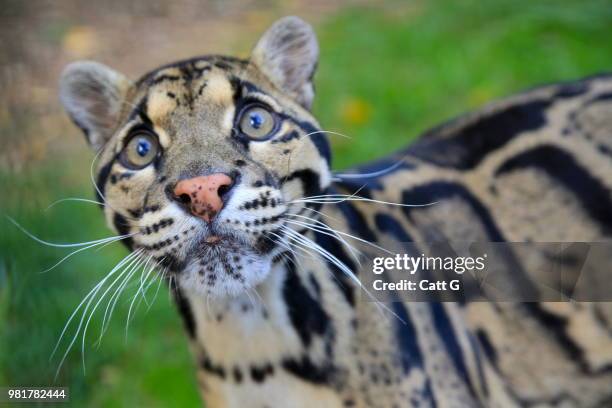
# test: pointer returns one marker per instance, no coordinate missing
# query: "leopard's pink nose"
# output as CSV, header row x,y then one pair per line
x,y
203,196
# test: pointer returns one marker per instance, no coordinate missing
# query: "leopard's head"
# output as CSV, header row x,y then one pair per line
x,y
200,161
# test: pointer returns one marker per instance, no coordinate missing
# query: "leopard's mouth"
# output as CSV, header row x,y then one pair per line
x,y
224,264
213,258
213,240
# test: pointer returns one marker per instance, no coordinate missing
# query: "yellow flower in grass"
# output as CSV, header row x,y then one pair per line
x,y
355,111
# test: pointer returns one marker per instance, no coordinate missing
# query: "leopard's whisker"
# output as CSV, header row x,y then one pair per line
x,y
281,241
330,132
171,283
378,173
123,286
87,301
110,241
133,301
248,294
320,224
161,278
318,212
295,255
73,245
345,269
93,310
125,260
83,200
308,243
91,176
340,198
151,281
112,302
324,196
354,252
144,280
285,256
261,301
82,246
347,234
295,258
332,233
307,250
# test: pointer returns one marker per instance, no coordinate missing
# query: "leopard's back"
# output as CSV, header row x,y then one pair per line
x,y
536,167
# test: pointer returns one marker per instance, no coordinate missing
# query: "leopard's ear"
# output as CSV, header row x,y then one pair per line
x,y
93,95
288,54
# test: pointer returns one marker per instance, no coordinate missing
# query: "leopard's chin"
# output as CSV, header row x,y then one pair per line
x,y
221,267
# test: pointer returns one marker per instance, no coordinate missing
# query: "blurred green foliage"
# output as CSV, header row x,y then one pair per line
x,y
411,65
386,74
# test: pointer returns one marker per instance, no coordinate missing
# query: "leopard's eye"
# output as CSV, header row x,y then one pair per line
x,y
140,151
257,122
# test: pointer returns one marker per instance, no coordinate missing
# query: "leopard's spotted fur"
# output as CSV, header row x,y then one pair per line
x,y
272,329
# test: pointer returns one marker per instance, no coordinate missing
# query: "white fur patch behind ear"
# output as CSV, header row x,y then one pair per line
x,y
93,94
288,54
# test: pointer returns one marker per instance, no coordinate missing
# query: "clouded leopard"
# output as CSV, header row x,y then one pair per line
x,y
215,169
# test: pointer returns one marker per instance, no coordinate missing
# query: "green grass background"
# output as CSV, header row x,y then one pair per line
x,y
386,74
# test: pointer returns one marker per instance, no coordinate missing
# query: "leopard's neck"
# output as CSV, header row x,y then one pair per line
x,y
295,326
